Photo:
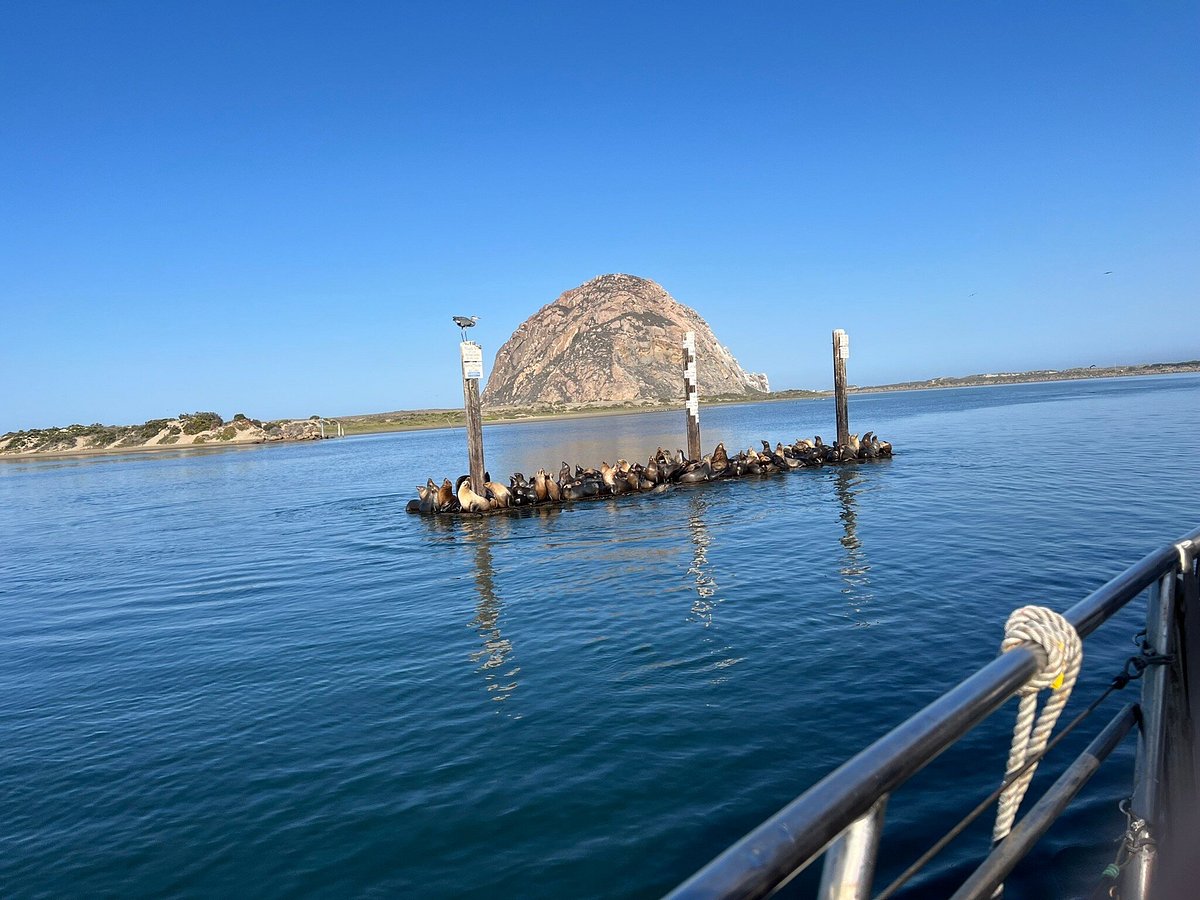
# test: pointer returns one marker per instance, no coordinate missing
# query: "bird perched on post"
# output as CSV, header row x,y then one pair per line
x,y
465,322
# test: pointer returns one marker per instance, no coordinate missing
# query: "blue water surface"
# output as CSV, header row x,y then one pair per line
x,y
248,671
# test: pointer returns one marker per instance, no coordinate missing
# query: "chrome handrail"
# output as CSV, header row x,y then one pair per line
x,y
781,847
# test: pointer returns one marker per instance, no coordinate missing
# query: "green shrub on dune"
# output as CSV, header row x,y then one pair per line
x,y
194,423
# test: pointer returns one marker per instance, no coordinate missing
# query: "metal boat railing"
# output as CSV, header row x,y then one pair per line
x,y
842,815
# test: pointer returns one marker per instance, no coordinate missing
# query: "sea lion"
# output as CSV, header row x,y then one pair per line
x,y
629,477
810,457
501,495
468,499
666,466
720,460
552,489
581,488
695,472
427,498
609,475
787,463
540,489
445,496
651,470
523,493
765,464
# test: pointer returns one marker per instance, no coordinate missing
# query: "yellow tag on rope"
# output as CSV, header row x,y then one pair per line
x,y
1058,682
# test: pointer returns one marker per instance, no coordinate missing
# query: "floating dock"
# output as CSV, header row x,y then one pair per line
x,y
660,473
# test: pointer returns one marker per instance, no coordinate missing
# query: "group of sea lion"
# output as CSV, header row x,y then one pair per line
x,y
660,472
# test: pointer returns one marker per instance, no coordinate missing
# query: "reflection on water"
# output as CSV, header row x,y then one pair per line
x,y
493,657
704,579
706,583
848,483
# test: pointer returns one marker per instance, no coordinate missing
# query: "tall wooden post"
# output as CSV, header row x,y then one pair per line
x,y
841,352
690,395
472,371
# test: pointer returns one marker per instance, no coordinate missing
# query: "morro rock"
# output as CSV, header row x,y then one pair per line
x,y
615,339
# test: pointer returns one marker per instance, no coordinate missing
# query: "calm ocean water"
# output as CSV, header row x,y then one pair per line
x,y
249,672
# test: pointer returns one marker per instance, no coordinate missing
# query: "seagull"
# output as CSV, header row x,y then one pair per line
x,y
465,322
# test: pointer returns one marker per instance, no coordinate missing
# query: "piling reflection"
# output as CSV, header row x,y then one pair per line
x,y
848,484
495,656
700,570
704,580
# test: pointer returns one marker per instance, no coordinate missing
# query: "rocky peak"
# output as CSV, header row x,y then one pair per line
x,y
615,339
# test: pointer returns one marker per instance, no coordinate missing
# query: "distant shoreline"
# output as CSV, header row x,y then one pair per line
x,y
1037,377
378,423
125,451
362,424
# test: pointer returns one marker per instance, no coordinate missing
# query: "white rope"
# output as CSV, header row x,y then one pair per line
x,y
1064,652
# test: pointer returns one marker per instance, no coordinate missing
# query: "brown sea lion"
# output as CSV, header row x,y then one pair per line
x,y
720,460
609,475
445,496
540,488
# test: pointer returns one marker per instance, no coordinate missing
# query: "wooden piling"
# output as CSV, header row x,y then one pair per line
x,y
841,352
472,371
691,395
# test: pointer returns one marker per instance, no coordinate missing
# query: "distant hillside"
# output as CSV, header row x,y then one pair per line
x,y
186,430
615,339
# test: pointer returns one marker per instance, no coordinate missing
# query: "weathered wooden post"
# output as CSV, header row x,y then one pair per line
x,y
472,371
690,395
841,352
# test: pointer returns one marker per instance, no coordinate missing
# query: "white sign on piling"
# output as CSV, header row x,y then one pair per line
x,y
843,343
472,359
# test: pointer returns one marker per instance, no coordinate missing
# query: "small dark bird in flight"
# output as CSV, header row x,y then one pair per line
x,y
465,322
1108,273
972,294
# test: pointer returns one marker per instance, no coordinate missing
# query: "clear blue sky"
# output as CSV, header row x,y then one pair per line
x,y
275,208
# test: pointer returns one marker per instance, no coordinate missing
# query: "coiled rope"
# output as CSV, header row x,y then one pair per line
x,y
1064,653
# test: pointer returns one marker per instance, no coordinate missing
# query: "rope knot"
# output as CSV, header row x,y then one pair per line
x,y
1052,633
1064,656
